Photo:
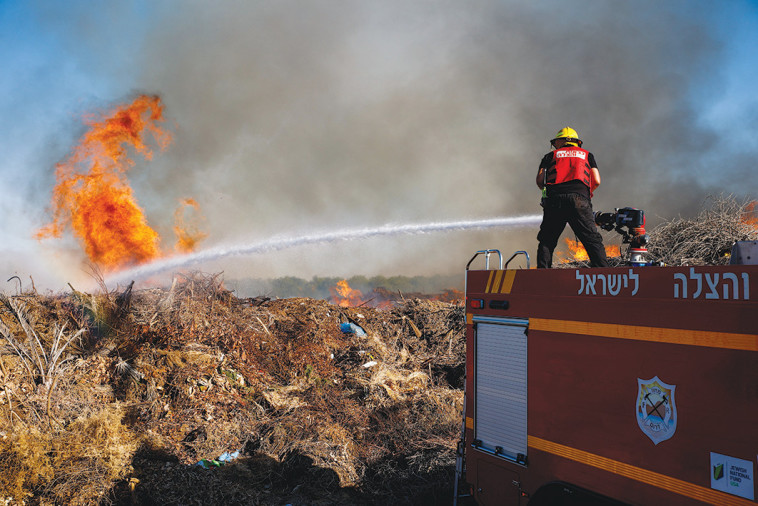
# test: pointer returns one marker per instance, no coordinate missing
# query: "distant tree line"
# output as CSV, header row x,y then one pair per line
x,y
323,287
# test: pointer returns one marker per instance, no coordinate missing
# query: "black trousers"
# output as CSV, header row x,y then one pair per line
x,y
575,210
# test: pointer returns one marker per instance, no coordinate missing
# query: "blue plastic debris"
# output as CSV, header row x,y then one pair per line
x,y
352,328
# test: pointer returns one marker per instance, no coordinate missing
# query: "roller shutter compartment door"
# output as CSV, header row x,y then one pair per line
x,y
500,384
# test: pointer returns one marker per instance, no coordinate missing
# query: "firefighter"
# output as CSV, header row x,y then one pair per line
x,y
568,176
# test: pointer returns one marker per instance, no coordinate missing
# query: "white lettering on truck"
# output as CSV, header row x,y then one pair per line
x,y
707,284
607,284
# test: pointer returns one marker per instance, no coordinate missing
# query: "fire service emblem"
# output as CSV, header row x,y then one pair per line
x,y
656,410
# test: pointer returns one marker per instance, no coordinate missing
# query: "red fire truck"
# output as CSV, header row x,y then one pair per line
x,y
625,385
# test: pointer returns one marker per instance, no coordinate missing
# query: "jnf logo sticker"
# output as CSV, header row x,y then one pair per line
x,y
656,410
732,475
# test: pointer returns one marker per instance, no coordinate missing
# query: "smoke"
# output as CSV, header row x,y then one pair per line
x,y
289,116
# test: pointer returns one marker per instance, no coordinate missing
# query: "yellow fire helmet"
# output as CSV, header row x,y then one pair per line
x,y
570,135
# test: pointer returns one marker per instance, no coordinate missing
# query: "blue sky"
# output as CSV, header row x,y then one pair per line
x,y
289,116
734,108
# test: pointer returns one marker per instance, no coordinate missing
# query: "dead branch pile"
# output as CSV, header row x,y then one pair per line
x,y
707,239
117,397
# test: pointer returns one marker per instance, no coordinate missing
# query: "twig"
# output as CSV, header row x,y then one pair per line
x,y
50,417
30,332
18,348
5,389
28,406
263,325
18,290
413,326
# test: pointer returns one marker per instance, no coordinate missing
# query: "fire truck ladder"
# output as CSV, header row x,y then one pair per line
x,y
460,456
460,451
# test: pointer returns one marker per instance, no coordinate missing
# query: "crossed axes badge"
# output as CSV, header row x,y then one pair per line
x,y
655,406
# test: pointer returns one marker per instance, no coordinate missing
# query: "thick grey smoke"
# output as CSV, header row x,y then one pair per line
x,y
290,116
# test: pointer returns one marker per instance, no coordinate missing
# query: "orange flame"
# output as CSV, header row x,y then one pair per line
x,y
344,296
92,196
750,214
577,253
449,295
187,234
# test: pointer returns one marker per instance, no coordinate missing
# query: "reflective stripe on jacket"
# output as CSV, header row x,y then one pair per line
x,y
570,163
